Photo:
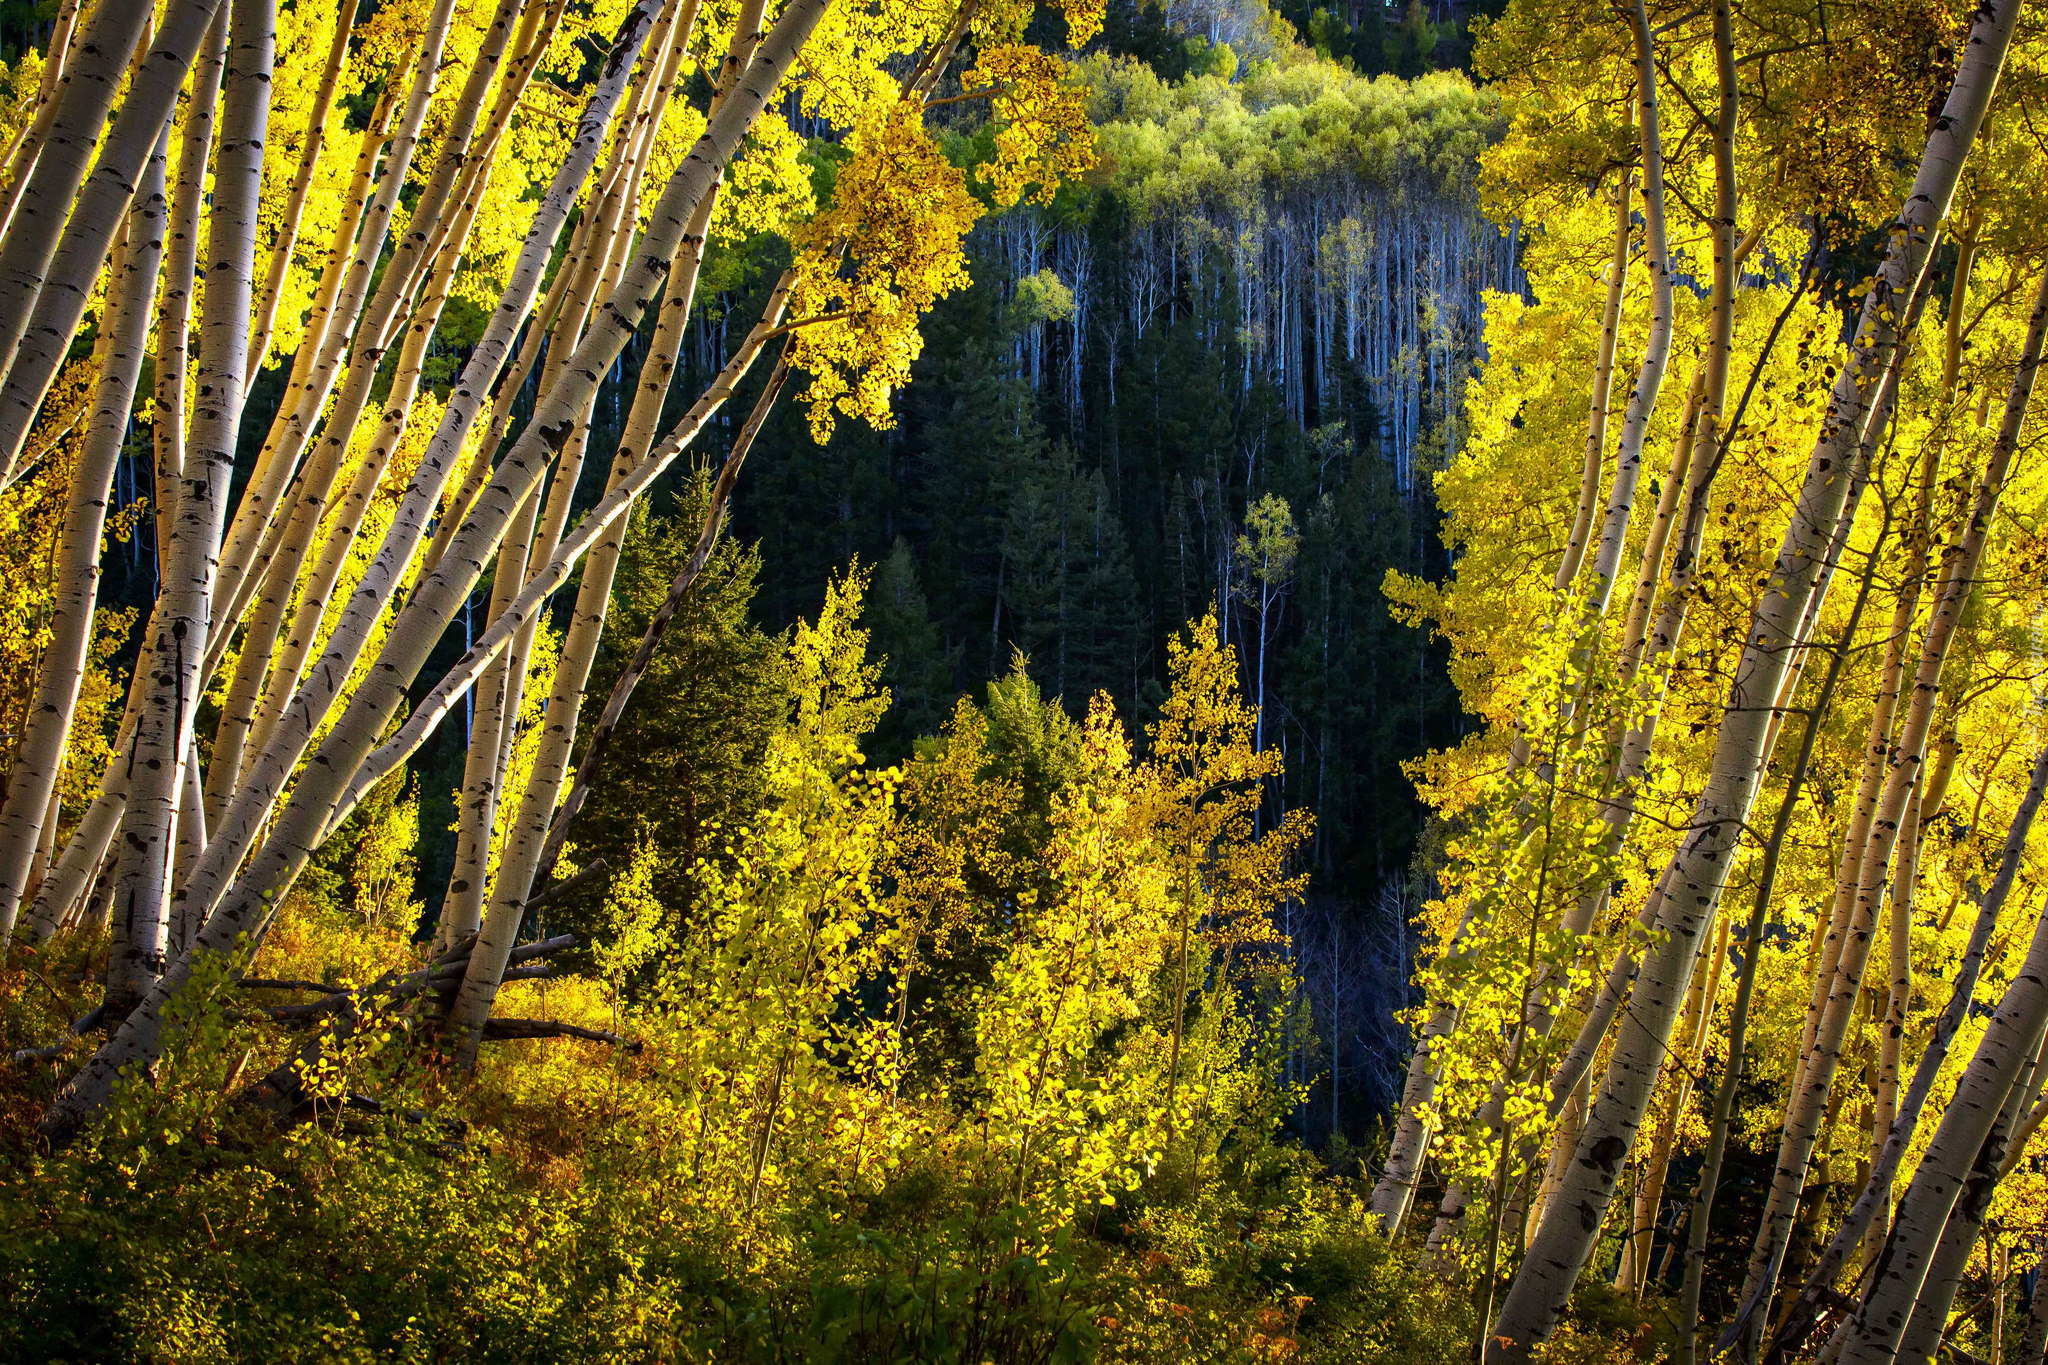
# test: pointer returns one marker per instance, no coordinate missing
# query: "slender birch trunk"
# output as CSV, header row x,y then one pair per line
x,y
238,586
248,910
539,536
1642,403
307,495
1649,1200
181,259
1962,562
178,625
1966,1143
32,780
1877,751
47,192
269,770
1571,1224
295,197
501,689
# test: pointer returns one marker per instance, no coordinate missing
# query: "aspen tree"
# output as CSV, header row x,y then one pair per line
x,y
528,832
1701,1209
1929,1321
1961,561
308,494
326,299
291,430
70,877
61,295
181,260
302,183
269,770
314,591
1603,383
498,690
1875,1198
33,777
636,668
438,597
1684,1064
47,191
1898,999
1969,1135
534,534
1626,765
23,151
1571,1223
178,625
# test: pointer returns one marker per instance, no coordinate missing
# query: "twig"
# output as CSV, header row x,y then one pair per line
x,y
500,1029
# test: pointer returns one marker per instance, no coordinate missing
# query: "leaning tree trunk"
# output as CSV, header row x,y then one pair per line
x,y
1929,1322
1875,1199
1968,1130
47,193
1884,1107
636,668
21,154
1700,1214
1962,562
536,528
1571,1224
237,587
178,624
60,297
40,756
438,598
267,773
295,197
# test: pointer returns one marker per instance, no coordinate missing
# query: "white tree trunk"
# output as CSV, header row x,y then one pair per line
x,y
48,191
61,296
40,756
178,625
1571,1223
1962,562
